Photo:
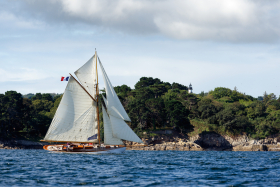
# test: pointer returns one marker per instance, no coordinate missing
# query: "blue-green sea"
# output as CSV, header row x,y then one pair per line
x,y
139,168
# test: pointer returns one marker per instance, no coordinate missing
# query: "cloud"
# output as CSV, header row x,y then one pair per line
x,y
216,20
21,74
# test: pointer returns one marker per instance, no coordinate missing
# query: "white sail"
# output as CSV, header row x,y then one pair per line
x,y
105,100
108,133
75,119
114,106
122,131
87,75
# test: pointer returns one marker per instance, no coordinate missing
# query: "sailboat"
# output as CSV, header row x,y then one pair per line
x,y
76,124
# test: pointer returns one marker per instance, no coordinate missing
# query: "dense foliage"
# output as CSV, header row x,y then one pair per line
x,y
26,118
154,105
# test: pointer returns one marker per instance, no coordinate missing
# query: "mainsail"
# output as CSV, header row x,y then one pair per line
x,y
75,119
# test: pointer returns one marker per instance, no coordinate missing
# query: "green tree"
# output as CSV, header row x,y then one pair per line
x,y
179,86
37,96
15,113
138,110
122,89
171,95
156,111
146,82
55,106
177,115
158,89
256,109
220,92
47,96
56,97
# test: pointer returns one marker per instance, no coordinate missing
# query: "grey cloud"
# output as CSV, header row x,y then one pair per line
x,y
217,20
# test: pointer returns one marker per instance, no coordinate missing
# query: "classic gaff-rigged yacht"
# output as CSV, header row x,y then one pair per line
x,y
76,120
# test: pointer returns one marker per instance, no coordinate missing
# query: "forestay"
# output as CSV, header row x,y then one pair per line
x,y
75,119
114,106
108,133
87,75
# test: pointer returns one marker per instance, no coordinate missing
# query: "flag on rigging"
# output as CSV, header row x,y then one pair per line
x,y
65,78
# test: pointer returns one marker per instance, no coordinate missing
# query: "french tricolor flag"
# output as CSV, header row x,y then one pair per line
x,y
65,78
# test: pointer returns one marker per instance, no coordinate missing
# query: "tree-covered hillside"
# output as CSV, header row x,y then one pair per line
x,y
154,105
26,118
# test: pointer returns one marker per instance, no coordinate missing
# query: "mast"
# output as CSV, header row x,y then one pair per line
x,y
97,95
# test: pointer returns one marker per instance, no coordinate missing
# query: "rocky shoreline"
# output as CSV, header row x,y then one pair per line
x,y
202,142
21,144
207,142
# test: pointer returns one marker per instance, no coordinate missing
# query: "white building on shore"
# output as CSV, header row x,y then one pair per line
x,y
190,88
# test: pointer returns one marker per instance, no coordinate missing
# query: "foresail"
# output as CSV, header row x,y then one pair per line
x,y
122,131
114,106
75,119
108,133
87,75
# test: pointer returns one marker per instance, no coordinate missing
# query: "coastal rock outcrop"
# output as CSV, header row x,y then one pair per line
x,y
209,141
162,143
241,143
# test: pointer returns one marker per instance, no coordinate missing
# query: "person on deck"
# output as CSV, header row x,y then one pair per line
x,y
69,146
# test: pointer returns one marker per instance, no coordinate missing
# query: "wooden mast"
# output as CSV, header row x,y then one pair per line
x,y
97,95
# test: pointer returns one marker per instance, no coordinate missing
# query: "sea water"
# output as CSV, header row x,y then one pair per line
x,y
139,168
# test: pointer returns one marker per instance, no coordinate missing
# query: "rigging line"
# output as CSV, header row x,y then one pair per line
x,y
82,87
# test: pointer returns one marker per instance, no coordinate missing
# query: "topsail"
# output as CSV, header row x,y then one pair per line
x,y
87,76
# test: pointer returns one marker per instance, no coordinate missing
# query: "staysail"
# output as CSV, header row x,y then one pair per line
x,y
75,119
114,106
116,112
122,131
108,133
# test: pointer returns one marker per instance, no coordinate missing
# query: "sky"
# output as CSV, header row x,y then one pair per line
x,y
217,43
